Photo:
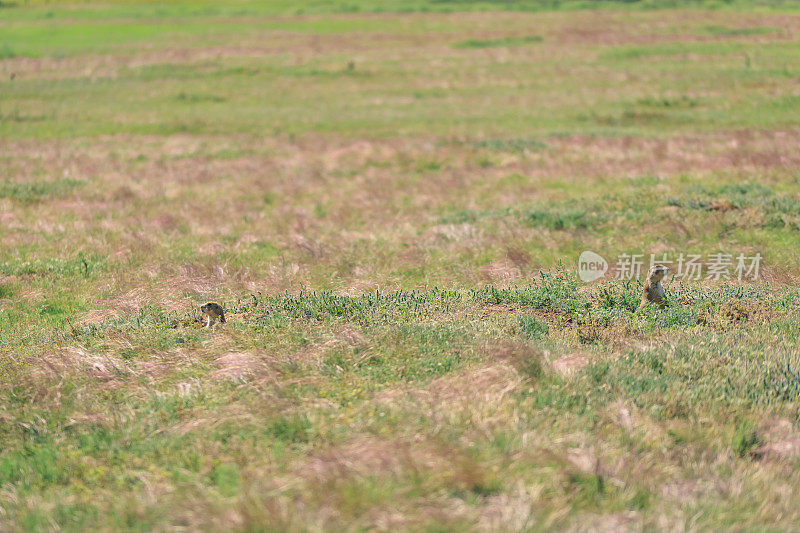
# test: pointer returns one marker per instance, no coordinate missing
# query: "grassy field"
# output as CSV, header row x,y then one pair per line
x,y
390,198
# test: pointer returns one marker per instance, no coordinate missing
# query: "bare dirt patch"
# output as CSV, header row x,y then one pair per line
x,y
681,153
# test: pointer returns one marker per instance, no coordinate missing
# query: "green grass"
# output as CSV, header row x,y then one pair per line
x,y
389,200
505,42
130,96
37,191
735,32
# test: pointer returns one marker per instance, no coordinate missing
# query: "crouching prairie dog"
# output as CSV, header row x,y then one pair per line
x,y
213,311
653,290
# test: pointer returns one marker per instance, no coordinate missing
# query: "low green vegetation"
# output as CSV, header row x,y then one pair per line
x,y
35,191
505,41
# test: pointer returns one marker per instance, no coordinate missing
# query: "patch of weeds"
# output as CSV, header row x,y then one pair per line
x,y
623,295
776,385
226,478
7,51
503,41
369,308
487,486
784,302
74,515
680,102
633,116
590,328
59,307
641,375
511,145
640,500
197,98
745,440
266,249
6,291
37,465
17,116
35,520
148,318
94,441
524,358
559,398
638,52
38,190
320,211
128,354
598,372
335,363
653,362
84,265
778,211
566,218
310,71
231,153
430,93
586,489
676,315
359,495
290,429
416,352
425,165
172,338
470,216
532,328
724,31
485,162
557,291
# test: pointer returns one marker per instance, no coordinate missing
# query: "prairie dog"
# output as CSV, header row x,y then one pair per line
x,y
212,311
653,290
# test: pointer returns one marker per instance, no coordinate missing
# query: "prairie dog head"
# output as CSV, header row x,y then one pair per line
x,y
657,273
211,309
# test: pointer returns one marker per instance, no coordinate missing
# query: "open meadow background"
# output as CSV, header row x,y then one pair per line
x,y
390,198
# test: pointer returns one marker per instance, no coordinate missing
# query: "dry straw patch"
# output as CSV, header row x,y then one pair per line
x,y
103,367
369,456
571,363
428,463
621,522
736,312
488,385
240,366
479,392
478,399
781,440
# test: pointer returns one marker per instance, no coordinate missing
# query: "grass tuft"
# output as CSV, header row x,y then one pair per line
x,y
38,191
503,41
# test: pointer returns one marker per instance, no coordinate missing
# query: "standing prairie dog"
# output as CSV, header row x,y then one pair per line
x,y
653,290
212,311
